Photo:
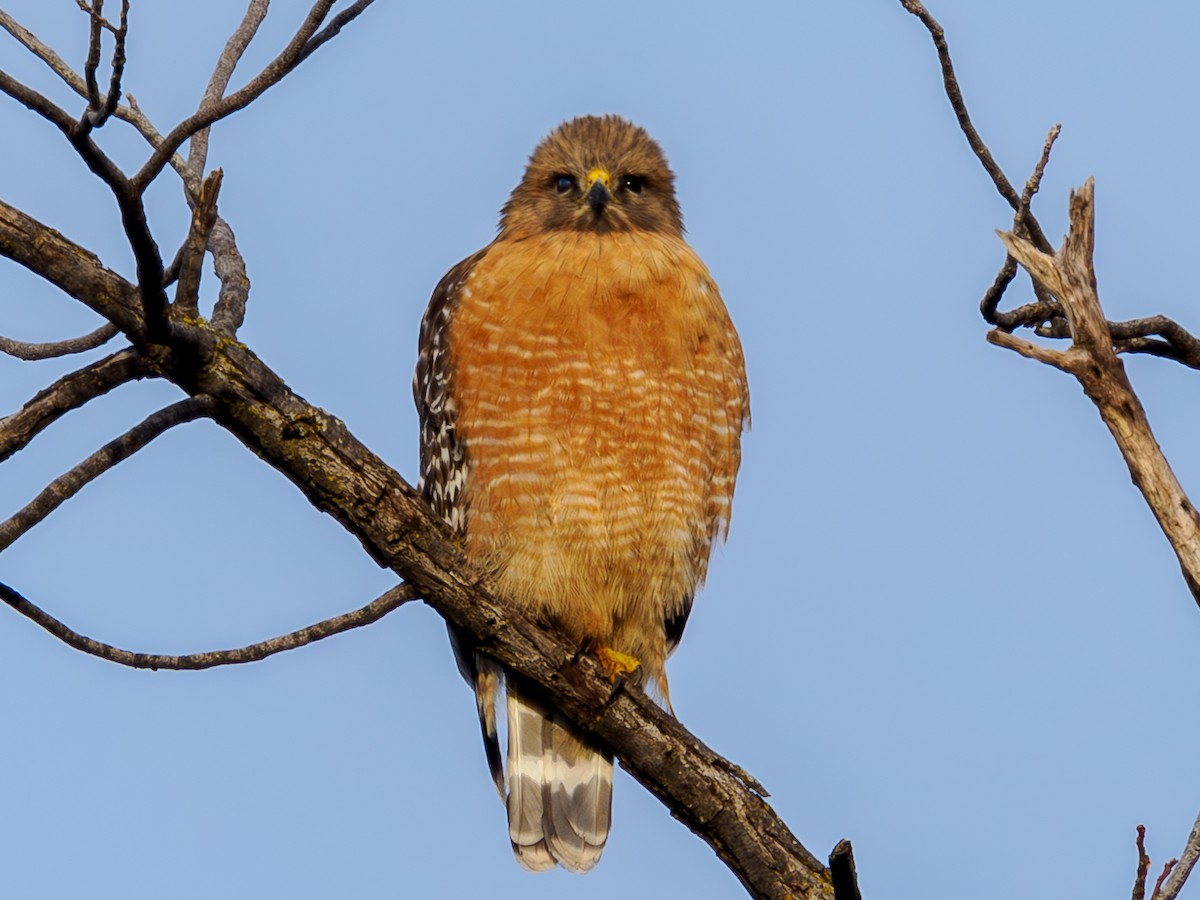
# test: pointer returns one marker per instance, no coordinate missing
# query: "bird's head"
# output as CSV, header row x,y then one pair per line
x,y
597,174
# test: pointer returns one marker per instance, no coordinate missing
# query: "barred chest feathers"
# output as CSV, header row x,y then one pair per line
x,y
601,399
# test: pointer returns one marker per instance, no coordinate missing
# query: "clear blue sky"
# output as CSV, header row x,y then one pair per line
x,y
945,626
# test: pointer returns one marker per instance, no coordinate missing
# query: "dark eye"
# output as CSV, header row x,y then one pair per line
x,y
633,183
564,183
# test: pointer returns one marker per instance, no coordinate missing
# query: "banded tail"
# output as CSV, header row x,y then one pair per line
x,y
559,788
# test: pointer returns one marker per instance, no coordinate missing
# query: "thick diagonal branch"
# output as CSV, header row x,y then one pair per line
x,y
372,612
1070,277
339,475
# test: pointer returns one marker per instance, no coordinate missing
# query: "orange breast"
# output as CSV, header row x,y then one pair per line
x,y
600,394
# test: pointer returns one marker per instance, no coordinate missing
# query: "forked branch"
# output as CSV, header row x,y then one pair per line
x,y
1070,277
1174,872
1155,335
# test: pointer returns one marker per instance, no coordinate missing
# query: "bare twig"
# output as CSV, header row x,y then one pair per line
x,y
336,24
128,192
204,215
1057,358
94,10
1069,275
137,229
92,63
68,393
954,93
47,55
113,97
1035,180
1187,861
133,213
1143,866
129,200
100,109
1044,315
1162,876
235,47
1045,308
1177,343
372,612
130,113
68,484
271,75
230,309
52,349
230,266
32,100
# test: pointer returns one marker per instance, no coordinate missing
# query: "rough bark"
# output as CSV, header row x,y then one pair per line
x,y
1070,277
339,475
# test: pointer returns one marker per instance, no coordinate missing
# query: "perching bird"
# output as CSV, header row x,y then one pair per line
x,y
582,397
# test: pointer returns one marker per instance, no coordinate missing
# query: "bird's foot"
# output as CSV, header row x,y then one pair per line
x,y
617,663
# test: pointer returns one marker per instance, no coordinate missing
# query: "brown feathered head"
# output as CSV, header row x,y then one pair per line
x,y
598,174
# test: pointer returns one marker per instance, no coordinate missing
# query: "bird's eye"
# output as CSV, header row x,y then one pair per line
x,y
633,183
564,183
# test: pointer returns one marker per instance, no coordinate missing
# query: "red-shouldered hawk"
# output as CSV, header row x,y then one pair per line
x,y
582,397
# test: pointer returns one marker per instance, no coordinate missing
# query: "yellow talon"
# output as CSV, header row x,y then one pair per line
x,y
616,663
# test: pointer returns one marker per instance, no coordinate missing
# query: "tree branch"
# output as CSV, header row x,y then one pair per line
x,y
30,352
954,93
1143,866
271,75
230,267
372,612
68,393
843,873
336,24
128,196
75,271
1045,308
133,213
100,109
235,48
1069,276
230,309
1044,316
114,452
46,54
1177,344
204,217
341,476
34,101
1174,882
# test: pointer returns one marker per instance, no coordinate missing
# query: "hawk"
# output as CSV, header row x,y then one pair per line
x,y
582,396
